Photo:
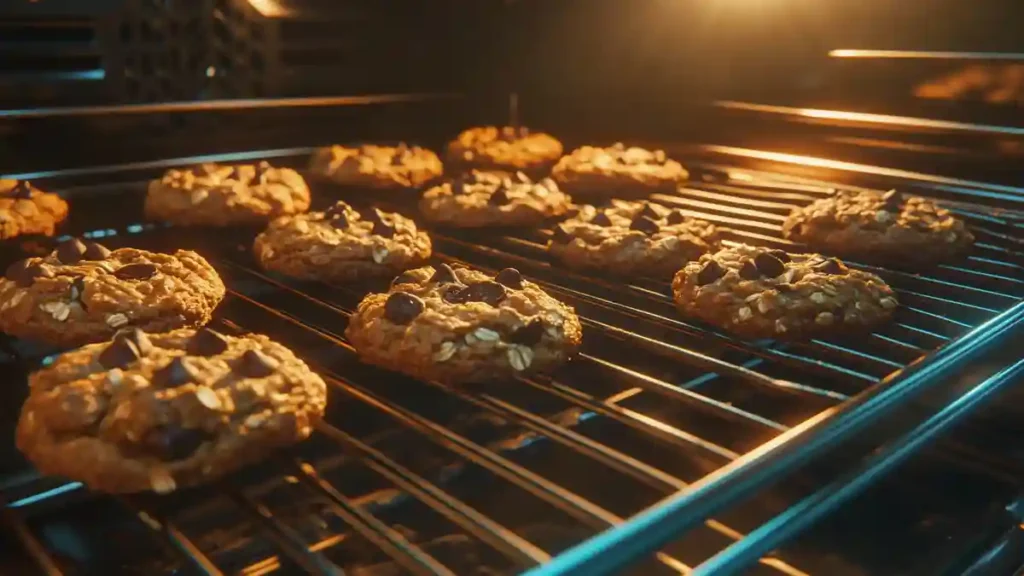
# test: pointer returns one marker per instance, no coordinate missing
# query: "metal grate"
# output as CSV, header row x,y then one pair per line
x,y
416,477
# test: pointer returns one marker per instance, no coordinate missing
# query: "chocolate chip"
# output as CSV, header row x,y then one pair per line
x,y
893,199
207,342
175,373
649,212
444,274
675,217
499,197
372,215
260,170
29,275
782,255
405,278
769,265
70,251
22,190
402,308
528,335
383,229
710,272
255,364
339,221
487,292
510,277
399,157
338,208
644,224
141,271
16,270
136,337
94,251
749,271
119,354
458,186
831,266
559,235
171,442
601,219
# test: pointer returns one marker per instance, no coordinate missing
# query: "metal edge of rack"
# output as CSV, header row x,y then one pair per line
x,y
650,530
924,55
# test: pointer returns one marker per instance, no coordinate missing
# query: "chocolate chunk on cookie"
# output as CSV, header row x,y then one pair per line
x,y
24,209
381,167
341,244
617,170
462,325
760,293
223,195
123,418
504,149
885,228
632,238
83,293
481,199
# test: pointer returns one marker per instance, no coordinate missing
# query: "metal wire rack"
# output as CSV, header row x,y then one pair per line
x,y
501,476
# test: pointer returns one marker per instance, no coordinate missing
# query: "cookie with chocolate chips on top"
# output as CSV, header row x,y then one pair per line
x,y
506,149
82,292
632,238
399,167
617,171
25,209
341,244
889,228
222,195
166,411
762,293
478,199
462,325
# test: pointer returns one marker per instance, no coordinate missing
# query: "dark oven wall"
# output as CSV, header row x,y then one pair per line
x,y
434,55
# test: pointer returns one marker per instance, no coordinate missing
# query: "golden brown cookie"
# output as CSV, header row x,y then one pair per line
x,y
166,411
617,170
478,199
222,195
381,167
506,149
25,209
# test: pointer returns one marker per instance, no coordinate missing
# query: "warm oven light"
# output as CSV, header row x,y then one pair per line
x,y
269,8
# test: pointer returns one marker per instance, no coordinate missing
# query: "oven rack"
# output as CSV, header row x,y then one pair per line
x,y
958,309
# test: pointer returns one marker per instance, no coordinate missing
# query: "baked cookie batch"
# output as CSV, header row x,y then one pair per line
x,y
153,400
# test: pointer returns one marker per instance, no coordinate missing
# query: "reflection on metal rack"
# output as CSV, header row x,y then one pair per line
x,y
691,412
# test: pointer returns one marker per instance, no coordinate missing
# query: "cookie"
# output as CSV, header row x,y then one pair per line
x,y
25,209
617,170
221,195
82,292
166,411
507,149
461,325
632,238
381,167
478,199
341,244
888,228
763,293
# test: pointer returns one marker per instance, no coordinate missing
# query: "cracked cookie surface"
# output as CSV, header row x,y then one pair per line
x,y
399,167
874,227
593,171
763,293
506,149
479,199
25,209
166,411
222,195
632,238
82,292
462,325
341,244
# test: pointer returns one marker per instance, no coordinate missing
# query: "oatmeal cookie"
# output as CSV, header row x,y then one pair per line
x,y
166,411
25,209
83,292
461,325
478,199
763,293
381,167
341,244
617,170
221,195
507,149
632,238
887,228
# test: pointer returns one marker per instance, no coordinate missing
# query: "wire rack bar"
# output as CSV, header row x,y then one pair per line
x,y
32,546
185,548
